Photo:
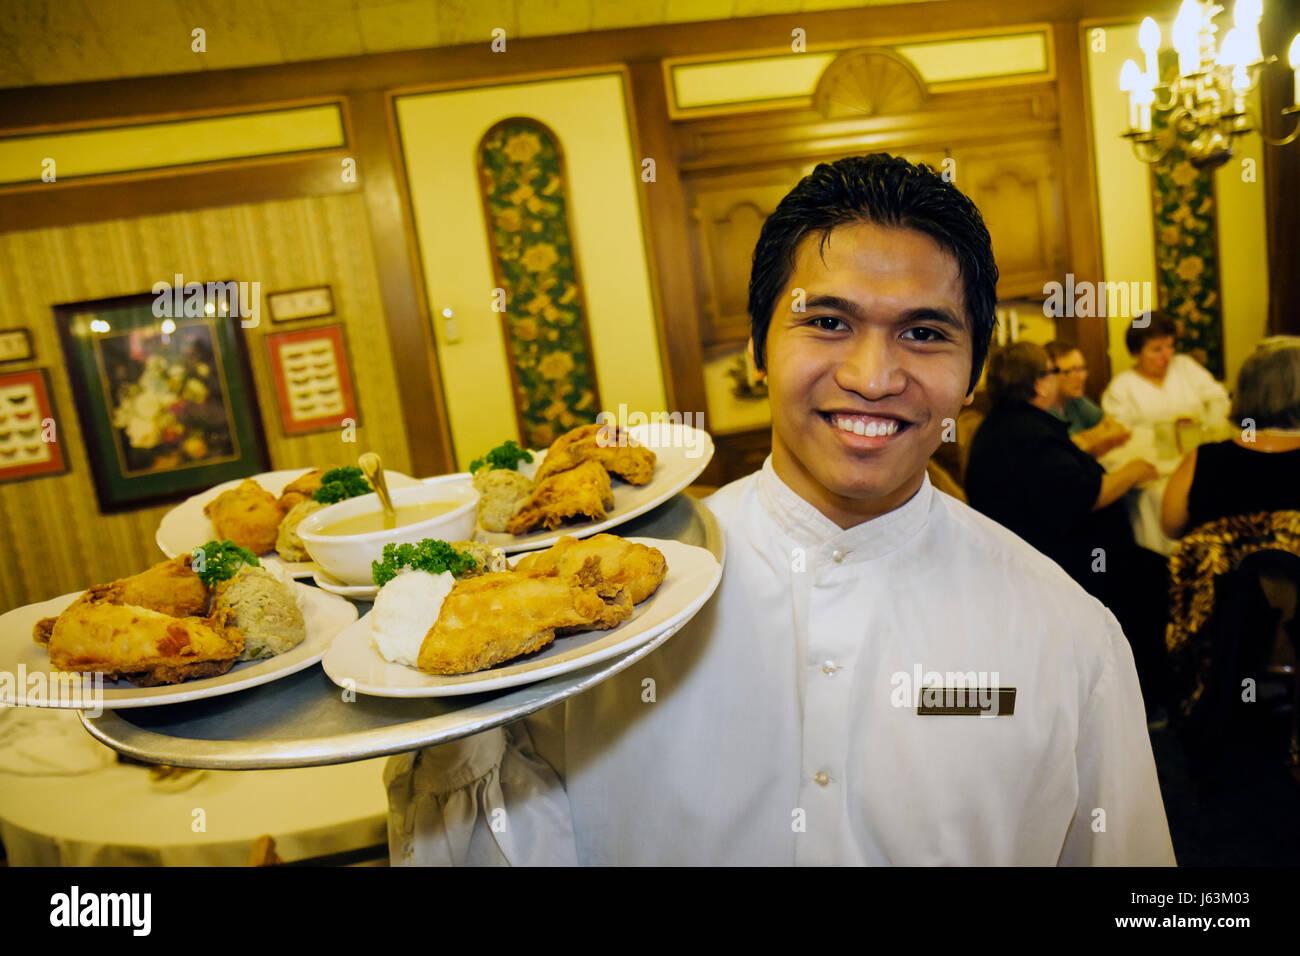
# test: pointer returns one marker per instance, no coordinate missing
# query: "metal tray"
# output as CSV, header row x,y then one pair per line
x,y
303,721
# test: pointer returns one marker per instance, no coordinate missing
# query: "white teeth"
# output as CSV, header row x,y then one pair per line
x,y
868,429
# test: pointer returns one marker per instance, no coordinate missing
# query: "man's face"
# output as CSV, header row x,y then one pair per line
x,y
1074,375
862,380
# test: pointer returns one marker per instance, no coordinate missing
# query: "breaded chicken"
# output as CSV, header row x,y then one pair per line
x,y
248,515
300,489
612,447
143,646
583,491
496,617
621,565
169,587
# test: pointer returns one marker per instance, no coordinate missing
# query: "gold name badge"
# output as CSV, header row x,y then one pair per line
x,y
966,701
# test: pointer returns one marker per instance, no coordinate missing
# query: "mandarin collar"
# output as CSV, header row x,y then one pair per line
x,y
811,529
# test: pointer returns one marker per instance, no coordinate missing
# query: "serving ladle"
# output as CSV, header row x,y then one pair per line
x,y
373,469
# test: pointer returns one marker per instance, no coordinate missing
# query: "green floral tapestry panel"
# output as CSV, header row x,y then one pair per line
x,y
1187,253
525,202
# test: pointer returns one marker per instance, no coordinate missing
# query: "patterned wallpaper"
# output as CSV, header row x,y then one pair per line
x,y
53,539
525,190
1187,252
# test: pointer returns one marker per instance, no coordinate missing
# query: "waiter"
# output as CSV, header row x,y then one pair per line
x,y
794,721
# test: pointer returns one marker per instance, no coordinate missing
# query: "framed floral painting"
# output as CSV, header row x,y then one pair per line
x,y
166,401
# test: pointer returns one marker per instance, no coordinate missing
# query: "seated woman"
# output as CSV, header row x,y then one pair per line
x,y
1090,428
1025,473
1162,386
1258,469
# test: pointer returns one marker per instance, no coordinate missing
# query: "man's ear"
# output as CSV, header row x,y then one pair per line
x,y
759,374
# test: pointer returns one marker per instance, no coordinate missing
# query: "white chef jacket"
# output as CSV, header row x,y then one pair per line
x,y
774,735
1188,390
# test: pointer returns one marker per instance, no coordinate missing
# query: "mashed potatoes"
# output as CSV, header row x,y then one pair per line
x,y
405,608
266,609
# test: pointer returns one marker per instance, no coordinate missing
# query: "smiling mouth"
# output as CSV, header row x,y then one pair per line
x,y
868,426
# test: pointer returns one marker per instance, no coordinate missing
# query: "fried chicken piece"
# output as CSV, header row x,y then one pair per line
x,y
499,616
620,564
248,515
583,490
612,447
300,489
169,587
143,646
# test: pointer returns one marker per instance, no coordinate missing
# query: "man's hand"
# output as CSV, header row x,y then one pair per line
x,y
1141,471
1117,483
1106,435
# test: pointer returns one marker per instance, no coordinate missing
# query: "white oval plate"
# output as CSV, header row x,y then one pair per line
x,y
186,527
324,614
693,575
681,453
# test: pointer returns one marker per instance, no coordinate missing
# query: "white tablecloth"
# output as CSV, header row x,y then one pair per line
x,y
69,803
1144,500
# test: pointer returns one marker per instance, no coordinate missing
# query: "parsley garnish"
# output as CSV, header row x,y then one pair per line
x,y
431,554
338,484
507,456
219,560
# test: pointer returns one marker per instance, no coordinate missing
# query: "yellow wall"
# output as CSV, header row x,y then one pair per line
x,y
440,135
1124,194
54,539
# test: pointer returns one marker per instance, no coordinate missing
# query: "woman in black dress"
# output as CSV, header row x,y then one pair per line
x,y
1257,469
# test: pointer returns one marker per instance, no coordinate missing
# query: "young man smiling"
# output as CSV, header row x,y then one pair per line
x,y
788,725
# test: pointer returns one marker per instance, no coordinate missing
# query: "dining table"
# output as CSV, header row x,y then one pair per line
x,y
1164,445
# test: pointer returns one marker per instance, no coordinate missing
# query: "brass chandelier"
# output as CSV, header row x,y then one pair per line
x,y
1208,99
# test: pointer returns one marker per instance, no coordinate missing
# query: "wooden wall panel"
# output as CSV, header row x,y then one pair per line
x,y
55,539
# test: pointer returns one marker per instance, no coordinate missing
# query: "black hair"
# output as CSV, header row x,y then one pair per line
x,y
1160,326
889,191
1014,372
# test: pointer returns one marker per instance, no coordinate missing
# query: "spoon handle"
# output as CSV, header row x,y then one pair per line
x,y
374,472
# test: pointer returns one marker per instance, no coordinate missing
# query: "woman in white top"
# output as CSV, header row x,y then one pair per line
x,y
1162,386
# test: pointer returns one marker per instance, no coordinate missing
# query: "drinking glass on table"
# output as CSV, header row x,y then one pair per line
x,y
1166,440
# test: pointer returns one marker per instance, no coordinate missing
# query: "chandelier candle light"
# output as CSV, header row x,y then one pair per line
x,y
1207,101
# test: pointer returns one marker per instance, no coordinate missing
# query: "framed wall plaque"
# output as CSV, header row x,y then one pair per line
x,y
29,432
294,304
313,380
15,345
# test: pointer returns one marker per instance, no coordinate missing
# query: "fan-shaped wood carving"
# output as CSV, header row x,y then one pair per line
x,y
867,82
